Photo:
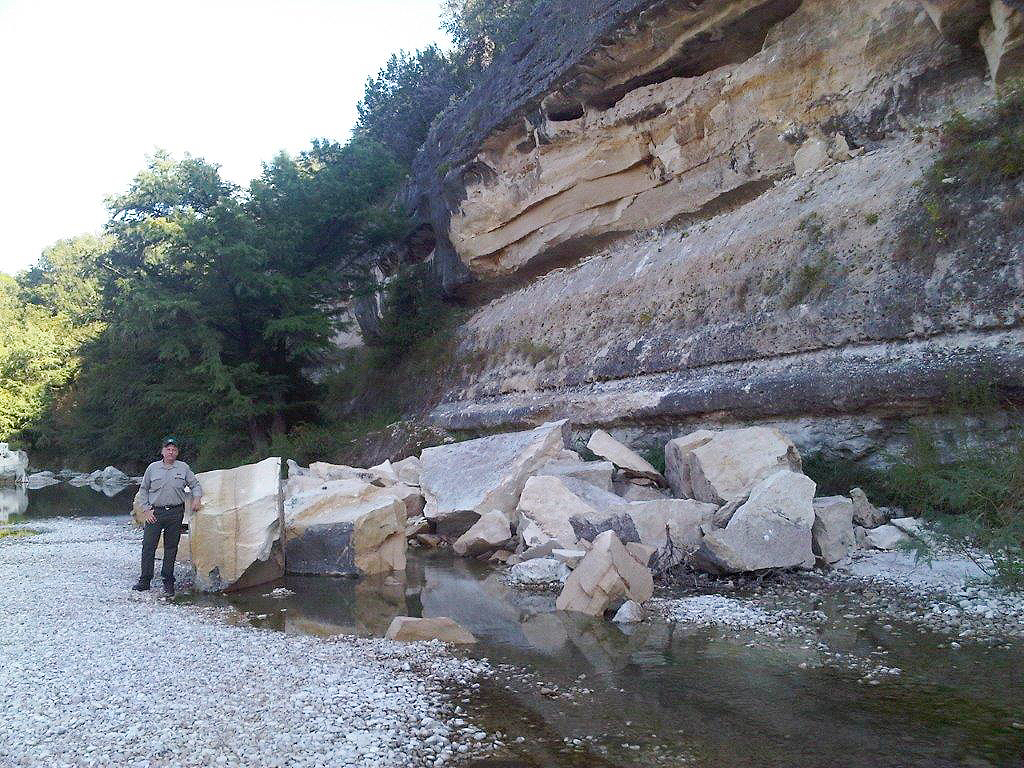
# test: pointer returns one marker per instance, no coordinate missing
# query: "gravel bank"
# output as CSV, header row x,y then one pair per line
x,y
94,675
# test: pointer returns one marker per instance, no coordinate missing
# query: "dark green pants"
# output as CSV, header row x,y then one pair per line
x,y
168,522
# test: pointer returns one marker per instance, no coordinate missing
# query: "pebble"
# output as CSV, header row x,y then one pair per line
x,y
101,676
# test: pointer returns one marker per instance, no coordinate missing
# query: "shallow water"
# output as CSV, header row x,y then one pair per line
x,y
664,693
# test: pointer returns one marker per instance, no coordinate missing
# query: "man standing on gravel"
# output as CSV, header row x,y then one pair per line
x,y
162,498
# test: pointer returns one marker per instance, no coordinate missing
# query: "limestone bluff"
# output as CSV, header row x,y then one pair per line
x,y
669,214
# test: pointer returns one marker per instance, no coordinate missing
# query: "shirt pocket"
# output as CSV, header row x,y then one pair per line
x,y
156,484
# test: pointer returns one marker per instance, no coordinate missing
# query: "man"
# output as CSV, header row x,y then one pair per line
x,y
162,498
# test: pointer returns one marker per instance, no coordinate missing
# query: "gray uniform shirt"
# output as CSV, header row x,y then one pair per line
x,y
164,486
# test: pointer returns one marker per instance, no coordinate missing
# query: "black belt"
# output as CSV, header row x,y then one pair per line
x,y
176,506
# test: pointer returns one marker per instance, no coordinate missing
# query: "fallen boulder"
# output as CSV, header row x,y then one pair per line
x,y
235,537
571,557
885,537
626,459
464,480
605,573
490,532
597,473
350,529
772,529
539,570
832,535
718,467
408,470
326,471
558,512
631,491
630,612
866,514
408,629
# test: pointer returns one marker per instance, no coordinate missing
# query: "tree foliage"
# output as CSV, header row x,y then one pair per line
x,y
219,302
46,314
399,104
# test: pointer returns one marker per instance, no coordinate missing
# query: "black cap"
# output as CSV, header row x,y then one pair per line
x,y
170,441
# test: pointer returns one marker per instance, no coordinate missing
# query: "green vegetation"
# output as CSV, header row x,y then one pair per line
x,y
981,159
810,280
974,500
7,532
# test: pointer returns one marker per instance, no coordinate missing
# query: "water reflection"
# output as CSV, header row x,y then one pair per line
x,y
675,693
64,500
661,694
13,503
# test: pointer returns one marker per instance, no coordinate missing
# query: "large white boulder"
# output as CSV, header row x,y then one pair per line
x,y
539,570
866,514
235,537
832,535
462,481
490,532
561,511
885,537
623,457
721,466
348,528
13,465
772,529
607,572
597,473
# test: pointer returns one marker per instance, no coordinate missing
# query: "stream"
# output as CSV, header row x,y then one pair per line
x,y
573,691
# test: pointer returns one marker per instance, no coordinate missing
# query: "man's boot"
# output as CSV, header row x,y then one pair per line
x,y
168,589
140,586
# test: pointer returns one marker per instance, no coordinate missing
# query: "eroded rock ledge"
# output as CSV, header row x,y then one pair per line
x,y
692,212
622,116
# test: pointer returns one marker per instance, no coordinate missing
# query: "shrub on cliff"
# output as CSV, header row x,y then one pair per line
x,y
981,162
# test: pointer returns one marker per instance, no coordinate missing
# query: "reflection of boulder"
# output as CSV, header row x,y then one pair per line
x,y
485,606
13,502
344,606
13,465
545,632
38,480
236,534
409,629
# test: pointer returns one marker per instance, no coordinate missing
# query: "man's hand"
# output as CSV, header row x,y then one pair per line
x,y
148,516
196,504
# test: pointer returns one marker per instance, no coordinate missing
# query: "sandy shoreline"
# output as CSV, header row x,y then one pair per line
x,y
94,675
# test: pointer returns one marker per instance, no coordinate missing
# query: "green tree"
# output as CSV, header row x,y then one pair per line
x,y
219,303
482,30
399,104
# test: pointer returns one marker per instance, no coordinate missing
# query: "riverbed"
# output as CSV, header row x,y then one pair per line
x,y
811,673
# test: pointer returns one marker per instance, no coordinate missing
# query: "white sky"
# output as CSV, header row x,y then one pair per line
x,y
88,88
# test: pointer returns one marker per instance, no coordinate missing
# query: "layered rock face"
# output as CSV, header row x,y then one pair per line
x,y
655,261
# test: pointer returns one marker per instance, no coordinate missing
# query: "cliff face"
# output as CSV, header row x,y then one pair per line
x,y
691,212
